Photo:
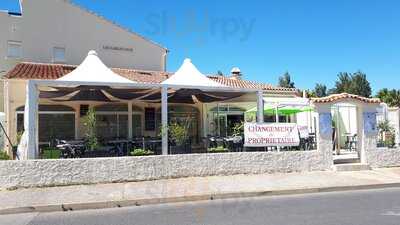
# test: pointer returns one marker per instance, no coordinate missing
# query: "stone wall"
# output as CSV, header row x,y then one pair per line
x,y
36,173
383,157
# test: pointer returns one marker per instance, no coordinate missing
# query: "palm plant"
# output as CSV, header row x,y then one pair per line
x,y
386,133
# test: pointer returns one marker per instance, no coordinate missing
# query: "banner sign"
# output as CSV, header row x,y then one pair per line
x,y
271,134
325,124
370,123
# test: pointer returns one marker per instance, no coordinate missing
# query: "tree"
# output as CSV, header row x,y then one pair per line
x,y
355,83
320,90
220,73
285,81
360,85
311,94
90,124
390,97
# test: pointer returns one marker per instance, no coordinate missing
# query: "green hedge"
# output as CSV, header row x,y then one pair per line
x,y
219,149
51,153
141,152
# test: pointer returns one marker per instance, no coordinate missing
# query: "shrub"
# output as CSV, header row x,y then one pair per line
x,y
141,152
178,133
51,153
386,134
219,149
4,156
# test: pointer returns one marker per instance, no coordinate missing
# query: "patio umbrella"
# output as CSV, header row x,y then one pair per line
x,y
92,93
284,110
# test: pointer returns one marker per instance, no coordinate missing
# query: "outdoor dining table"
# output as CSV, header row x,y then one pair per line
x,y
350,140
71,149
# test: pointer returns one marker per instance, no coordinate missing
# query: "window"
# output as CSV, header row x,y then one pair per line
x,y
14,49
112,121
55,122
150,119
58,54
137,125
186,116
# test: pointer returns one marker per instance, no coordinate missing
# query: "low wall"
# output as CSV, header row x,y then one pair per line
x,y
37,173
383,157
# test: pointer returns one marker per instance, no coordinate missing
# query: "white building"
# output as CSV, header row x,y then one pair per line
x,y
60,32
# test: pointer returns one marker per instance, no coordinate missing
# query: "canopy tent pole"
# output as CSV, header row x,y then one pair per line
x,y
260,107
130,125
278,148
164,119
77,121
28,147
218,121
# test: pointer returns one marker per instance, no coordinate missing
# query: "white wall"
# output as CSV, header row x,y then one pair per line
x,y
34,173
394,120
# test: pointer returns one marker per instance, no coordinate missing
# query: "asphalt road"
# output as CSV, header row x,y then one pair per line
x,y
372,207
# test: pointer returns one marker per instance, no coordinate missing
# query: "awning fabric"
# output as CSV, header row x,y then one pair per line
x,y
189,75
92,69
192,96
92,93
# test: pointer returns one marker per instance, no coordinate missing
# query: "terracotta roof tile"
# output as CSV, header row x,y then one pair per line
x,y
29,70
344,96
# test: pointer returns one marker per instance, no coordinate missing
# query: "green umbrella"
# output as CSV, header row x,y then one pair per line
x,y
285,110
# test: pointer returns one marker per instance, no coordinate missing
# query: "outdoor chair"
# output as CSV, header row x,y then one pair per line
x,y
228,143
353,143
212,142
237,143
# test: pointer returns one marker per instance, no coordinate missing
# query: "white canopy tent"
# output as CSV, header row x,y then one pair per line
x,y
93,72
93,69
189,75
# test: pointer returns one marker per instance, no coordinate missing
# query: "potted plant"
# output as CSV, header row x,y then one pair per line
x,y
179,139
90,124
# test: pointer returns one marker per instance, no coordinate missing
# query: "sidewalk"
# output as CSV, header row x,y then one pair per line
x,y
190,189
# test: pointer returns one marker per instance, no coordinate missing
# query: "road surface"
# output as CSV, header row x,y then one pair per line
x,y
371,207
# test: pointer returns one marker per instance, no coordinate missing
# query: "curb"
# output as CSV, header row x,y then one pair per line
x,y
154,201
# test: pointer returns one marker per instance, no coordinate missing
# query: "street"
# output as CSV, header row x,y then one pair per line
x,y
369,207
